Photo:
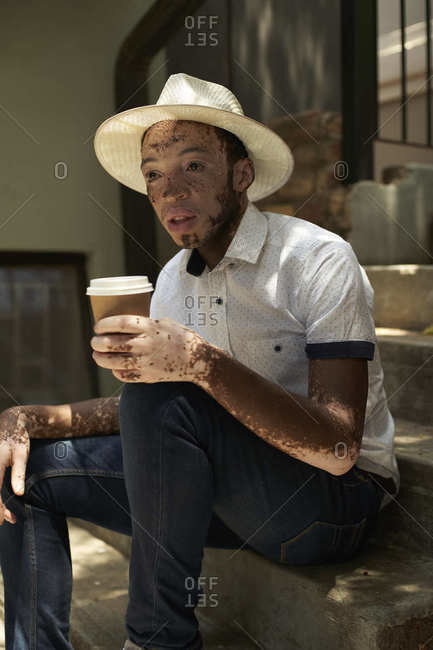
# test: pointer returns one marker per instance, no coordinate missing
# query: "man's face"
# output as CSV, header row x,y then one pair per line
x,y
188,175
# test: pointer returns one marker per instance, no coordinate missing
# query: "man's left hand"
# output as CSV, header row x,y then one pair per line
x,y
140,349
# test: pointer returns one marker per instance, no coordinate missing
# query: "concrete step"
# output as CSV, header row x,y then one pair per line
x,y
403,295
407,361
408,520
381,600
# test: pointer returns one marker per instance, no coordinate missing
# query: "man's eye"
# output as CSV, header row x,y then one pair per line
x,y
148,176
196,163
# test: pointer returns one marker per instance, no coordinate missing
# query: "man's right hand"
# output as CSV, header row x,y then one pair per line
x,y
14,452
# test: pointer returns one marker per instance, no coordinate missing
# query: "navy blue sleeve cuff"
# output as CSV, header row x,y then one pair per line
x,y
340,349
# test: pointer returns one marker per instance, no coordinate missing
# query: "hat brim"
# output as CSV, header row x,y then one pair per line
x,y
117,144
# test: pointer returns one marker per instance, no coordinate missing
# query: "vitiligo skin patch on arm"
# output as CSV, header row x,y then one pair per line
x,y
301,427
98,416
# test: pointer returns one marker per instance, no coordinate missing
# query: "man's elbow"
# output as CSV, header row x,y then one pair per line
x,y
341,468
344,462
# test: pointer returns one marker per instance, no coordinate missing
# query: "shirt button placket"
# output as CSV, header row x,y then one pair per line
x,y
218,294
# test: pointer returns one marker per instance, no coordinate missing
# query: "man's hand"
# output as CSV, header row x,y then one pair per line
x,y
140,349
14,452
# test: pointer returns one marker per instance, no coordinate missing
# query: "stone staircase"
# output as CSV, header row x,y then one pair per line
x,y
381,600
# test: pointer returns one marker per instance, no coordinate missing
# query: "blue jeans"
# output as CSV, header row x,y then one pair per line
x,y
182,475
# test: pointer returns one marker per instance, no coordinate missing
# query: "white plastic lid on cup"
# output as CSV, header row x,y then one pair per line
x,y
119,286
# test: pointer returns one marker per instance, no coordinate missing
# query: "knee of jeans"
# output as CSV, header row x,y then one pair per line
x,y
153,390
150,399
14,502
45,458
140,394
138,400
37,476
38,492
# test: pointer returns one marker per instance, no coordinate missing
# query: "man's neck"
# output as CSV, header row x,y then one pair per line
x,y
213,251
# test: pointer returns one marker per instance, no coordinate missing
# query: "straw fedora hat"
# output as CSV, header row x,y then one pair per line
x,y
117,139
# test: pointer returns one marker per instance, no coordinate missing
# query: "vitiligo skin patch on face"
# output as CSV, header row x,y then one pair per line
x,y
200,180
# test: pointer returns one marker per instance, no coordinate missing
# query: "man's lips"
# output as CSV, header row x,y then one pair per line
x,y
179,213
188,219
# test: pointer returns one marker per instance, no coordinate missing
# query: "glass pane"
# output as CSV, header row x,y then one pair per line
x,y
45,356
416,52
390,104
7,346
6,301
31,375
32,305
389,69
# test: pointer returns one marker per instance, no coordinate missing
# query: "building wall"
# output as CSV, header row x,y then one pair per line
x,y
57,72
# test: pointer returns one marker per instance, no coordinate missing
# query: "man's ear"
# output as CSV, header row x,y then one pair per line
x,y
243,174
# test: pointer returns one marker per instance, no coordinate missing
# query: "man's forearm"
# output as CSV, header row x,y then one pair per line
x,y
293,423
92,417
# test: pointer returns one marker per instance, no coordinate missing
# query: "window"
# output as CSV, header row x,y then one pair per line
x,y
45,330
404,70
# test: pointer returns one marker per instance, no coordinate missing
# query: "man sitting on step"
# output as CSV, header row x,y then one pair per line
x,y
252,414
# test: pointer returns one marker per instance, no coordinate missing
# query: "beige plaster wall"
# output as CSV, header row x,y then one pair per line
x,y
57,85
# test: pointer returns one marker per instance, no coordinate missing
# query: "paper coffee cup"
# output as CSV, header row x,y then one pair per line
x,y
115,296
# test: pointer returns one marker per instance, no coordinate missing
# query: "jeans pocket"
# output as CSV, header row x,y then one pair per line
x,y
323,542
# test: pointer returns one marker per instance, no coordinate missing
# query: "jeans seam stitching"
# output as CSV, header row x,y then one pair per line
x,y
334,538
158,553
33,564
356,530
69,472
357,536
